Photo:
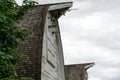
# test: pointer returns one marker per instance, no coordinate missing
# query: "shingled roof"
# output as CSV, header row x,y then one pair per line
x,y
34,20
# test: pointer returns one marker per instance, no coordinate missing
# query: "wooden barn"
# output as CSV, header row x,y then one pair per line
x,y
43,46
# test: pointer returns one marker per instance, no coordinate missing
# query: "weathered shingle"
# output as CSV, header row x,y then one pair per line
x,y
34,20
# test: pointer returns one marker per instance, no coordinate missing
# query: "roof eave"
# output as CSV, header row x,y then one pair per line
x,y
89,65
62,5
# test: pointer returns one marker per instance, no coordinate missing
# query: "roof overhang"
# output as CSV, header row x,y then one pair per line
x,y
89,65
62,5
83,65
58,9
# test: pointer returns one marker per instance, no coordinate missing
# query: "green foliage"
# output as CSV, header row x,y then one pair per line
x,y
10,13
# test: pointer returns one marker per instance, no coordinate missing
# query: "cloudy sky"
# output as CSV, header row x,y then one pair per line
x,y
92,34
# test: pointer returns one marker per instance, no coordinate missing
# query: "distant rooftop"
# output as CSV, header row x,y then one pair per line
x,y
77,71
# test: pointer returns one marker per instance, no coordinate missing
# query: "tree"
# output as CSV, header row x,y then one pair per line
x,y
10,13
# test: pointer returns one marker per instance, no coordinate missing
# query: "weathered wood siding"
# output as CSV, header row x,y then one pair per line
x,y
50,58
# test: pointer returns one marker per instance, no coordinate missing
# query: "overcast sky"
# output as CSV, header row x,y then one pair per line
x,y
92,34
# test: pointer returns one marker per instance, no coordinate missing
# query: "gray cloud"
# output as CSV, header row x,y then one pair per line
x,y
91,34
